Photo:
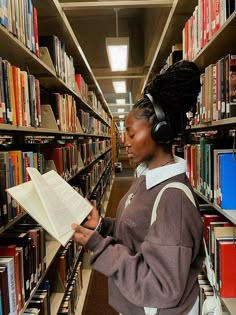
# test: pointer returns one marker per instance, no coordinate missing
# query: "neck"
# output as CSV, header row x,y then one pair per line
x,y
163,160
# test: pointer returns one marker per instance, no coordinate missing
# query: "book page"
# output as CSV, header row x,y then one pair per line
x,y
63,204
28,198
78,206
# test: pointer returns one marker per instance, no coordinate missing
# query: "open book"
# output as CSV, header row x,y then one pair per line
x,y
52,202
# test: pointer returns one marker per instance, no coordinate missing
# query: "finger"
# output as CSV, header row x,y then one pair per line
x,y
79,229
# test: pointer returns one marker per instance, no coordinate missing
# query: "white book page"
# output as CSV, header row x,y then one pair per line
x,y
64,205
77,205
26,195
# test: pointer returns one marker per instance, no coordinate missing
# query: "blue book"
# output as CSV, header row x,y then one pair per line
x,y
227,180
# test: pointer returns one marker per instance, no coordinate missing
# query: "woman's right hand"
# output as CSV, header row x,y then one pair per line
x,y
92,219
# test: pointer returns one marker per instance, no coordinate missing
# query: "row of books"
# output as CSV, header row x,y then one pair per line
x,y
90,97
13,172
20,18
64,110
91,125
65,261
65,159
89,179
97,194
83,88
97,107
21,100
217,99
90,150
19,96
73,292
208,17
219,235
22,264
63,64
65,70
212,171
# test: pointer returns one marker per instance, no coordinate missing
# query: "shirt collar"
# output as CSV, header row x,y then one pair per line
x,y
160,174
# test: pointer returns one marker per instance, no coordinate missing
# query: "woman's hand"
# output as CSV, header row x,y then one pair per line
x,y
81,234
92,219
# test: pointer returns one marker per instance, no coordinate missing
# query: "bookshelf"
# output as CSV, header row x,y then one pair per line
x,y
217,46
52,21
172,34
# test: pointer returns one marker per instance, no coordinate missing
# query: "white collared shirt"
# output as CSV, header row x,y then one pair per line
x,y
160,174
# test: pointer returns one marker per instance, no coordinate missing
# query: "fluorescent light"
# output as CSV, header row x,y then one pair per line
x,y
119,86
120,110
120,101
121,116
118,52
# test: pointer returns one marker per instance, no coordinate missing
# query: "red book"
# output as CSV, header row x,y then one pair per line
x,y
217,15
55,154
36,37
10,251
227,258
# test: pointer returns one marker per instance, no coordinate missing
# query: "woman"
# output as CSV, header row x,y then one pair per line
x,y
153,268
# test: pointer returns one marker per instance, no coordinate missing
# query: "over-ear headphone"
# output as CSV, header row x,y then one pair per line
x,y
160,132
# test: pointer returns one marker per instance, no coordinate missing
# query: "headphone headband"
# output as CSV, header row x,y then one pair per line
x,y
157,108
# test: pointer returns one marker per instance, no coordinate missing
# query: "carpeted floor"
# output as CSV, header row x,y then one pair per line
x,y
96,302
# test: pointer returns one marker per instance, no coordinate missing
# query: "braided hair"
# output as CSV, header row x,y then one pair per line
x,y
176,90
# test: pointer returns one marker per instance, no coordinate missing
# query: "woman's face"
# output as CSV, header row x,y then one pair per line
x,y
140,145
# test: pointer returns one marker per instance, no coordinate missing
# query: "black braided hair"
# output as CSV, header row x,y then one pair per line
x,y
176,90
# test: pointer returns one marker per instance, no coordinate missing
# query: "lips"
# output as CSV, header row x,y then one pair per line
x,y
130,155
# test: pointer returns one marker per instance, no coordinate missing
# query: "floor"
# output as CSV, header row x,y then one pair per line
x,y
96,302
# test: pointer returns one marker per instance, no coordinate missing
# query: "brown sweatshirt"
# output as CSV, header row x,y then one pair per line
x,y
151,266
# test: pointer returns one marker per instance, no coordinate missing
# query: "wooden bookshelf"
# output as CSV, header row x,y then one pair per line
x,y
216,123
229,214
55,18
221,44
230,305
51,21
172,34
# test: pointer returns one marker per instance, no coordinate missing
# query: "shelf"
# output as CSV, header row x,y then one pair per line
x,y
86,274
12,222
55,19
30,130
52,248
215,123
221,44
172,33
18,54
229,214
55,302
230,305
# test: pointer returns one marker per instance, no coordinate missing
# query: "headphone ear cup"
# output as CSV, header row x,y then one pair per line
x,y
161,132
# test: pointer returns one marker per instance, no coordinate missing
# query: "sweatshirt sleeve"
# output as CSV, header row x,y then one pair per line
x,y
155,276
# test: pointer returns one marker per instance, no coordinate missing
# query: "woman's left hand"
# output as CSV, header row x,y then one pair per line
x,y
81,234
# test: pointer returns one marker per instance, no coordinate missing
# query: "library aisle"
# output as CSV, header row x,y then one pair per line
x,y
96,301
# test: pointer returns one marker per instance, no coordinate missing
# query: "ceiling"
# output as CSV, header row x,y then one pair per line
x,y
141,21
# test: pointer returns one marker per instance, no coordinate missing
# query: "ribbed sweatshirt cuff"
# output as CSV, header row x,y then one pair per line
x,y
94,241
